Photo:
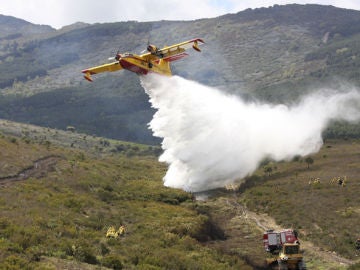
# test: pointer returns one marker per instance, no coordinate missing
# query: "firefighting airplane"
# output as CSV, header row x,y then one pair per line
x,y
155,60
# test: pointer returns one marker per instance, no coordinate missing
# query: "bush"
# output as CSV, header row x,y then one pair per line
x,y
113,262
15,262
355,266
83,253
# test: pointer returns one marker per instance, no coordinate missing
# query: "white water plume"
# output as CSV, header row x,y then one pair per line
x,y
210,139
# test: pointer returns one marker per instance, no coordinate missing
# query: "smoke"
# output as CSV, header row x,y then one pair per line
x,y
210,139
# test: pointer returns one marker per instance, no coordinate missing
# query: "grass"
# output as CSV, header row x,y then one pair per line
x,y
325,213
60,219
71,139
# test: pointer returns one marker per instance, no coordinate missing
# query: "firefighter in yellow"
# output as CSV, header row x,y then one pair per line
x,y
111,232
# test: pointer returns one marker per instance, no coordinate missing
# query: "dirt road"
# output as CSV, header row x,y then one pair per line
x,y
264,222
40,168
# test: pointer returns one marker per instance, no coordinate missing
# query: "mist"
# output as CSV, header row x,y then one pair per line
x,y
211,139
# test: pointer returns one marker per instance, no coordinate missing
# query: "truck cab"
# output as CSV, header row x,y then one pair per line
x,y
290,257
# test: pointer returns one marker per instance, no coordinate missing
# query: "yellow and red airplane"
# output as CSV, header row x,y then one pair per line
x,y
154,60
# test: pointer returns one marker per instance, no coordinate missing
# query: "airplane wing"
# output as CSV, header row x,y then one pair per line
x,y
194,43
176,51
115,66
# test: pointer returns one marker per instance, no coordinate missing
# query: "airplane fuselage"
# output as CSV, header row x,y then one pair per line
x,y
139,65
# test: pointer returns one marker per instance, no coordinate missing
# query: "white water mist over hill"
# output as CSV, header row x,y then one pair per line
x,y
210,139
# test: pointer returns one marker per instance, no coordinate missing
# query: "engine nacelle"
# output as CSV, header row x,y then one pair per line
x,y
152,49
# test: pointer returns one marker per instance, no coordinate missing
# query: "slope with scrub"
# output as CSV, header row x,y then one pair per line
x,y
275,54
325,213
57,204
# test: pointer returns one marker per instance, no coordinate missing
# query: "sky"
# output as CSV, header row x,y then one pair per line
x,y
59,13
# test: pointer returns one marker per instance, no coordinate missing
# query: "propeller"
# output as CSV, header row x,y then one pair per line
x,y
114,57
146,50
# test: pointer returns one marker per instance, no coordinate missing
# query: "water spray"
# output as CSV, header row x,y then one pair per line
x,y
211,139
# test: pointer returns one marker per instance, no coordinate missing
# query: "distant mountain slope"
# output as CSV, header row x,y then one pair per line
x,y
12,28
274,54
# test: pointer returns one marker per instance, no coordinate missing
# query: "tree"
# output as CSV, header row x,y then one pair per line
x,y
268,169
309,161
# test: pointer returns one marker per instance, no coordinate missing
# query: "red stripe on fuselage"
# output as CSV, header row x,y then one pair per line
x,y
175,57
132,67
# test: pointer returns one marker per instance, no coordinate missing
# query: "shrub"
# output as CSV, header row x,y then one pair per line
x,y
113,262
14,262
354,266
74,204
34,253
83,253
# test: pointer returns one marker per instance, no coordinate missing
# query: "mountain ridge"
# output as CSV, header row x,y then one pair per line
x,y
11,25
272,54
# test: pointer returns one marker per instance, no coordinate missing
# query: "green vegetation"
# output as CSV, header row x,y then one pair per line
x,y
19,70
272,54
342,57
71,138
111,113
325,212
58,217
64,214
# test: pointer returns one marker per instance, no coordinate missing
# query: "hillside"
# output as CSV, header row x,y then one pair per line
x,y
58,202
274,54
82,158
325,213
14,28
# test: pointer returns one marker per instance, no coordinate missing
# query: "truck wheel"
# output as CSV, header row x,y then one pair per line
x,y
301,265
282,265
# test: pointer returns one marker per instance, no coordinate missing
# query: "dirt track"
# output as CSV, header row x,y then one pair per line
x,y
40,168
307,246
265,222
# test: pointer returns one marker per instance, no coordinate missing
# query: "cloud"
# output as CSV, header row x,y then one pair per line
x,y
64,12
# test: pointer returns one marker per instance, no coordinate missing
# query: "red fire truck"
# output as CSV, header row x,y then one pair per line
x,y
274,240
